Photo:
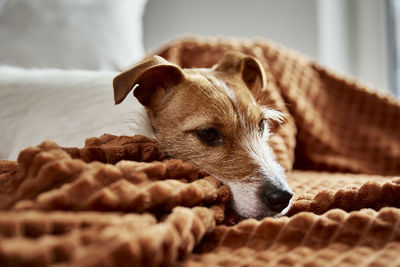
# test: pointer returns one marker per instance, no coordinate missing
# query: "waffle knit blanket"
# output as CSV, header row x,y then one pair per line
x,y
118,202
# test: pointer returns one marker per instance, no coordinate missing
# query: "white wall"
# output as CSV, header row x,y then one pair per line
x,y
290,22
352,39
348,36
370,45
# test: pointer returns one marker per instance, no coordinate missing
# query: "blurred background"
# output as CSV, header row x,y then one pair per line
x,y
349,36
355,37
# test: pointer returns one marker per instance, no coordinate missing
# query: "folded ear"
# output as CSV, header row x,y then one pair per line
x,y
150,79
250,69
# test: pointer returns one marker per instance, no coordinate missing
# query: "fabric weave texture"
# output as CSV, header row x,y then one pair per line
x,y
119,202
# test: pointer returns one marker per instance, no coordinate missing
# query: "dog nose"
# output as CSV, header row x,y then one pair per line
x,y
277,199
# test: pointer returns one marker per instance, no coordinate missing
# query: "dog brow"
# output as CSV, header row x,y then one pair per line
x,y
193,124
221,84
273,114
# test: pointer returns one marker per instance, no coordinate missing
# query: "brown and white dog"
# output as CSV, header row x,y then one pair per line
x,y
209,117
206,116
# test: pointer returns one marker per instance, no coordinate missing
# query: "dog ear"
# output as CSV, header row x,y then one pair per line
x,y
150,78
250,69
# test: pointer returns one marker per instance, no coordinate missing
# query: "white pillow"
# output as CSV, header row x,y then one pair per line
x,y
85,34
65,106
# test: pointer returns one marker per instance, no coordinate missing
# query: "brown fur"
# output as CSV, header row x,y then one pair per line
x,y
197,102
181,102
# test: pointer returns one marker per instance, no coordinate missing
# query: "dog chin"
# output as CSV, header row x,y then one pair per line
x,y
261,214
247,203
283,212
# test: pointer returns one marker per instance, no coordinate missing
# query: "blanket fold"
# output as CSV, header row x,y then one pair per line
x,y
118,201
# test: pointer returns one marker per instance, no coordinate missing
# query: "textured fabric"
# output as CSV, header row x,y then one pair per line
x,y
59,208
118,202
70,206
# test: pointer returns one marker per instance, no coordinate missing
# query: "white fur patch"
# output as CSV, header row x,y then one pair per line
x,y
230,93
246,200
273,115
262,155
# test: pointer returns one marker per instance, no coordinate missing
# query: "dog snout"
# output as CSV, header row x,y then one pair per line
x,y
277,199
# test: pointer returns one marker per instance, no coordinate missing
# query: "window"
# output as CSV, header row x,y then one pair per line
x,y
393,28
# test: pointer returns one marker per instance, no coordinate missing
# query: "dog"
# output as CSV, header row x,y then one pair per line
x,y
206,116
209,117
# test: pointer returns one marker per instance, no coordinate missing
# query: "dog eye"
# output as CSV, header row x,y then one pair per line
x,y
261,127
210,136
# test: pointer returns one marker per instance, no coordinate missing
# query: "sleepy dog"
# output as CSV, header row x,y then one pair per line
x,y
206,116
209,117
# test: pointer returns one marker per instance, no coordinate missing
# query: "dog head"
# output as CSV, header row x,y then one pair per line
x,y
209,117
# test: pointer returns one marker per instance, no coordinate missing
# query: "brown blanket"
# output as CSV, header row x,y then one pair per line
x,y
117,202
